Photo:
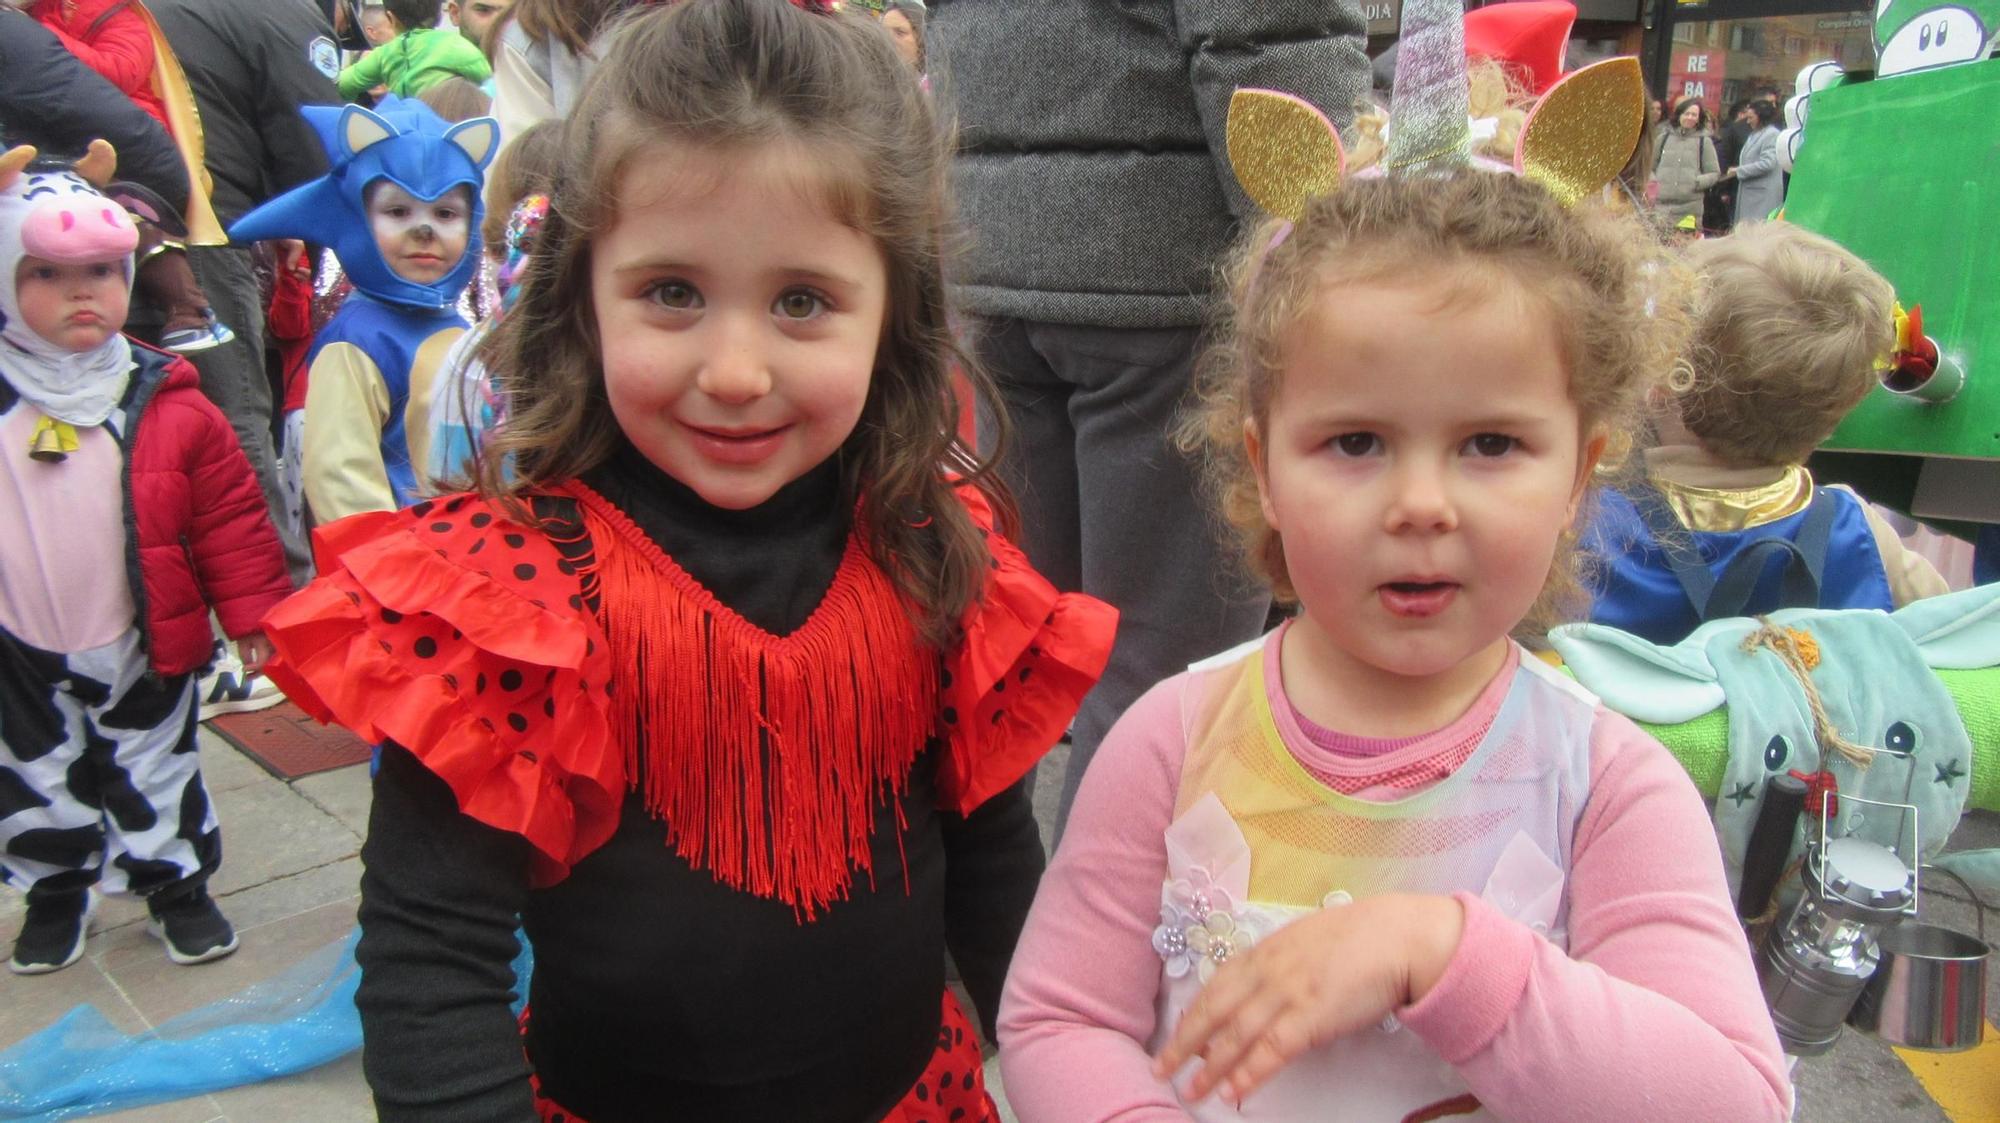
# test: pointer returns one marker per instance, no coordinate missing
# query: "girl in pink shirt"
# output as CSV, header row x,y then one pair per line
x,y
1382,864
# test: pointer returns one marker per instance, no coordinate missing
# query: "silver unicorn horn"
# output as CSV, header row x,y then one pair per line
x,y
1429,107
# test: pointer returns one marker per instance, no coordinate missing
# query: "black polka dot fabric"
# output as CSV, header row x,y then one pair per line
x,y
431,641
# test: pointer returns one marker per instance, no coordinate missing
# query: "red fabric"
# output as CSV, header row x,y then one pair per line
x,y
1029,656
951,1090
557,775
202,530
1527,36
120,48
1822,792
459,635
290,326
845,702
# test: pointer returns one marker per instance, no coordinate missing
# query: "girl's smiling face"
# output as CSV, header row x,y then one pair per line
x,y
1420,459
738,318
75,307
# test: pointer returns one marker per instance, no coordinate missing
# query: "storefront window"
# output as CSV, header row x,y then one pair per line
x,y
1722,61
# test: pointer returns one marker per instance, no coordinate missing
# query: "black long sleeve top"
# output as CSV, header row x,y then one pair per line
x,y
658,993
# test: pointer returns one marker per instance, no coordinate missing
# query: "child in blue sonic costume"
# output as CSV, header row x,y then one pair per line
x,y
400,207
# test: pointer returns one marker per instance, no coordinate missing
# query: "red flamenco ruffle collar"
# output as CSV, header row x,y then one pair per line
x,y
466,639
460,636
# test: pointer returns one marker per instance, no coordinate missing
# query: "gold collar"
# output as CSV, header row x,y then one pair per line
x,y
1721,509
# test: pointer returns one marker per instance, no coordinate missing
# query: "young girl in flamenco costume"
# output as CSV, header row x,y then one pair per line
x,y
1385,863
725,686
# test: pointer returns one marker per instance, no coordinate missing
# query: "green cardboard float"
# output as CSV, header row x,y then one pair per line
x,y
1902,166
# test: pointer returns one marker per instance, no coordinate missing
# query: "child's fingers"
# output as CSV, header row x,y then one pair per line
x,y
1226,1048
1216,1005
1278,1045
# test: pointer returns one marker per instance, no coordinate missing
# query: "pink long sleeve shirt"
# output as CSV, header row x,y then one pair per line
x,y
1653,1013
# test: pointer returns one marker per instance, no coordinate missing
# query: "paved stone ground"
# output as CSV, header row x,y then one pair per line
x,y
289,882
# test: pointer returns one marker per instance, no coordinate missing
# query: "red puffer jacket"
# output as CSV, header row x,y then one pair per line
x,y
198,534
112,38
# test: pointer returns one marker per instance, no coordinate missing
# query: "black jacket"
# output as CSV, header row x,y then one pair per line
x,y
252,63
59,105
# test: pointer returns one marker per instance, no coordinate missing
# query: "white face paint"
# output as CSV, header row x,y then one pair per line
x,y
420,241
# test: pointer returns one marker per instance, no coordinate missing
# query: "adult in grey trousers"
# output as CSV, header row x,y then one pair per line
x,y
1094,179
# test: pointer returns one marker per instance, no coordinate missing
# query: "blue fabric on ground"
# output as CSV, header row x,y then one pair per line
x,y
297,1020
82,1065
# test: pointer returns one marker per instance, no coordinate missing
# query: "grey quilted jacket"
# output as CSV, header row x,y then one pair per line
x,y
1092,172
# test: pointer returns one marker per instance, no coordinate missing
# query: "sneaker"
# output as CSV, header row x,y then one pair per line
x,y
197,337
194,930
52,935
226,689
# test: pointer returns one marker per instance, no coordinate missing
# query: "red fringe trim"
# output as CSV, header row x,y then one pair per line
x,y
764,755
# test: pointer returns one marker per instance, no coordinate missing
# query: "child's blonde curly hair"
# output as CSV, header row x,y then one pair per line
x,y
1788,328
1607,293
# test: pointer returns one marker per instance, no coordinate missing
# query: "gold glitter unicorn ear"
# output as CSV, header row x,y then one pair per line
x,y
1284,151
1582,132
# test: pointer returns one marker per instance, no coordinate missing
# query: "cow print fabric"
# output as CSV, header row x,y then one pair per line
x,y
99,775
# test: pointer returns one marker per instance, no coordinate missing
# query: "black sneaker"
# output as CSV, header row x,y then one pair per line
x,y
52,934
194,930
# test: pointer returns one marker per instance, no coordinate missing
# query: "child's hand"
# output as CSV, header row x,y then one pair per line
x,y
255,650
1316,979
292,258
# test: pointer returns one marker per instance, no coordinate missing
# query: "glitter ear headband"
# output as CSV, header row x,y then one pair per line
x,y
1576,138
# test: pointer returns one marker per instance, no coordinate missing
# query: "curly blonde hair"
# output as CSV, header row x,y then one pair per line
x,y
1788,327
1608,295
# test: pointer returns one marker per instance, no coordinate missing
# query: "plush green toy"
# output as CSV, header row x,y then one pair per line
x,y
1901,707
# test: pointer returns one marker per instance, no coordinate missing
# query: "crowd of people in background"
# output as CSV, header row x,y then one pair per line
x,y
1710,175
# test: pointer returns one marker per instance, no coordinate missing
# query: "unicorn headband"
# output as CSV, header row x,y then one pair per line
x,y
1577,136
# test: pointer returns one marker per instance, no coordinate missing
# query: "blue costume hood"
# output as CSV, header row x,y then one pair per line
x,y
401,141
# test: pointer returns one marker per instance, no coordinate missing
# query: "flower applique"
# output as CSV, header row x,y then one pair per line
x,y
1201,926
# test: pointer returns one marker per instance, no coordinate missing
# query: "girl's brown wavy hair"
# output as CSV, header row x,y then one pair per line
x,y
1599,277
712,77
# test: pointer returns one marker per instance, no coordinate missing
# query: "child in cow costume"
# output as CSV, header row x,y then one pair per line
x,y
131,512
